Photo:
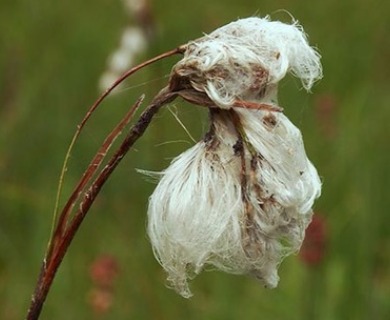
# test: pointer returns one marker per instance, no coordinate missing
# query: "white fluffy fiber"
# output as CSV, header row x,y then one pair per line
x,y
201,213
196,213
226,63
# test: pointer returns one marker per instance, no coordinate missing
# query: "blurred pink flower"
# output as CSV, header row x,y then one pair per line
x,y
100,300
314,245
326,107
104,270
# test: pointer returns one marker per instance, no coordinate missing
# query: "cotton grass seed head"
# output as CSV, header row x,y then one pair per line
x,y
242,59
240,199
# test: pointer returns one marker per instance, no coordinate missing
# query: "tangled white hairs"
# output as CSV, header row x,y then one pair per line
x,y
230,62
240,199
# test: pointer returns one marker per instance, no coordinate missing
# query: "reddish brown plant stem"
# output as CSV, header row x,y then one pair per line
x,y
50,267
66,230
45,278
92,168
62,219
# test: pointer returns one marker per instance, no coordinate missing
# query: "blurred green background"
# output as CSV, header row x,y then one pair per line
x,y
52,54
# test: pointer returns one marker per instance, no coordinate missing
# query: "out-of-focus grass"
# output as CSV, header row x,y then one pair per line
x,y
51,56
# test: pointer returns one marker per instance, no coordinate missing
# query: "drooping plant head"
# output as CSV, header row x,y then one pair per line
x,y
241,198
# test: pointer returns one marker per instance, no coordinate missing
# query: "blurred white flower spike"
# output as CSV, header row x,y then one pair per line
x,y
134,41
240,199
